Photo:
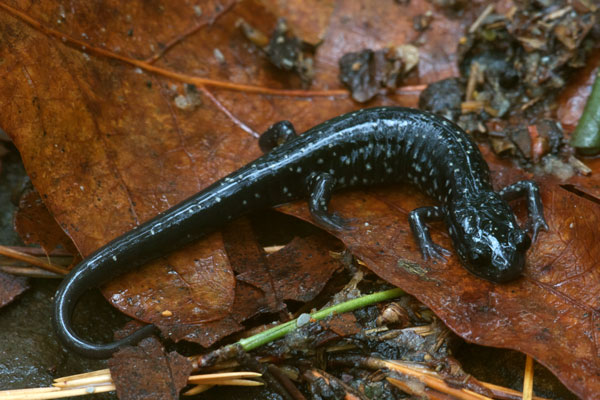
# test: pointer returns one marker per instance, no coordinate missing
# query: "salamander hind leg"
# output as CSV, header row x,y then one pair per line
x,y
534,204
321,187
418,219
277,134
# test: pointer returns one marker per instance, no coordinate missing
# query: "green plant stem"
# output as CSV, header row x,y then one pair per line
x,y
586,138
280,331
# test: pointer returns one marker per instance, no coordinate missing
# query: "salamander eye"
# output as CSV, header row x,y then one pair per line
x,y
522,241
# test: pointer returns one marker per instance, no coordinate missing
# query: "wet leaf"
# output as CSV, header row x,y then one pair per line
x,y
264,282
97,98
147,372
10,287
34,224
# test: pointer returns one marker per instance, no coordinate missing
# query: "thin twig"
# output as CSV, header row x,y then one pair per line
x,y
30,272
52,393
84,375
433,382
17,255
101,381
488,10
210,378
528,379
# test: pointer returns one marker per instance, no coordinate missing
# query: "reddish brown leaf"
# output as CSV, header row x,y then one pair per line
x,y
10,287
573,98
192,285
298,272
343,325
301,269
34,224
147,372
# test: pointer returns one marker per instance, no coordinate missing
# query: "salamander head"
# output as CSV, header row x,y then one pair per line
x,y
487,238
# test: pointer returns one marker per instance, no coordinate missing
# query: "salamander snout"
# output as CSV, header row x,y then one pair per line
x,y
496,261
488,239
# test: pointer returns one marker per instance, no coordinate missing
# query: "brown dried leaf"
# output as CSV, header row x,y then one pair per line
x,y
34,224
10,287
263,282
147,372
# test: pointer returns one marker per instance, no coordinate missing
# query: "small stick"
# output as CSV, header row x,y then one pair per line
x,y
221,376
528,379
17,255
52,393
84,375
488,10
92,380
31,272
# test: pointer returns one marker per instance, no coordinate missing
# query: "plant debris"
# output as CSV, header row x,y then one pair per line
x,y
285,51
369,353
147,372
10,287
513,64
367,72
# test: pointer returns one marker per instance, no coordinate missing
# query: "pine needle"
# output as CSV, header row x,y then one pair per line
x,y
528,379
101,381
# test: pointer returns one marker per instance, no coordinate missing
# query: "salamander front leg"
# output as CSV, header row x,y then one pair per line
x,y
277,134
534,204
418,219
321,188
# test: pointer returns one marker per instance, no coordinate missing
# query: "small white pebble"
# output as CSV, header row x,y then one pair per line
x,y
303,319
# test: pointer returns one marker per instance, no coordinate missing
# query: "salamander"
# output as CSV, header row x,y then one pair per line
x,y
367,147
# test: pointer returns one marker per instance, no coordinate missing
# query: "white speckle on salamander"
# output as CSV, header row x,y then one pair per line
x,y
218,199
114,258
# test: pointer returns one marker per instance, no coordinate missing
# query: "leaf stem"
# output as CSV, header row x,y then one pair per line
x,y
280,331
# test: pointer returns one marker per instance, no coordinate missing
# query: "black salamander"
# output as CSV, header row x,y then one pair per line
x,y
367,147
